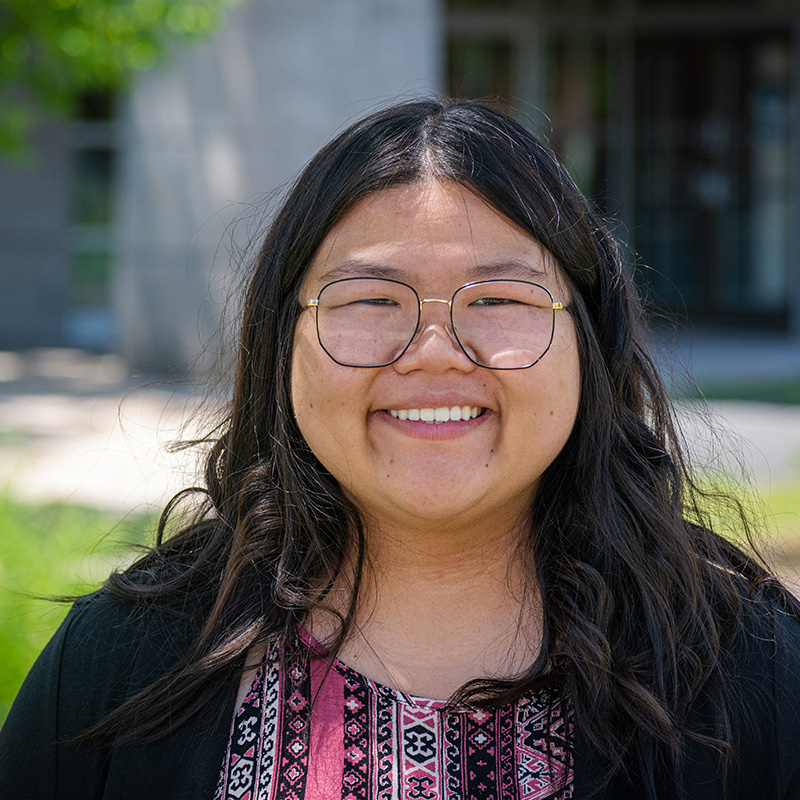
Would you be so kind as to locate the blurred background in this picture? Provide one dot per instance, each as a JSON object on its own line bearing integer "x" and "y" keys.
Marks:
{"x": 134, "y": 134}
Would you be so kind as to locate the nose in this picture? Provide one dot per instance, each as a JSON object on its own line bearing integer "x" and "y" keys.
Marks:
{"x": 434, "y": 347}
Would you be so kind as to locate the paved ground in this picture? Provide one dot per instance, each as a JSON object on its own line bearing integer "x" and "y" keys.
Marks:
{"x": 79, "y": 429}
{"x": 75, "y": 428}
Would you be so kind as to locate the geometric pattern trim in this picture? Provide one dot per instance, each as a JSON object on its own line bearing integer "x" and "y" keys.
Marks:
{"x": 322, "y": 731}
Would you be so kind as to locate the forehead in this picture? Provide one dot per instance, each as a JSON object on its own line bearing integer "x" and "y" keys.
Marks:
{"x": 405, "y": 231}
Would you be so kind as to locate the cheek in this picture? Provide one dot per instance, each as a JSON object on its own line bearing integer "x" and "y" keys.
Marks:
{"x": 308, "y": 382}
{"x": 303, "y": 357}
{"x": 564, "y": 387}
{"x": 319, "y": 400}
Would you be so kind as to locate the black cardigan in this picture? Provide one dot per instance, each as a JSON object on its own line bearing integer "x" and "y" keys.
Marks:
{"x": 105, "y": 651}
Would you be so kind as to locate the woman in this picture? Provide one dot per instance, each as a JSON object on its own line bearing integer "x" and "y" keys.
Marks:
{"x": 449, "y": 545}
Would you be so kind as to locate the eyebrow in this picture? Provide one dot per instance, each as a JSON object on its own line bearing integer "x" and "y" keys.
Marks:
{"x": 506, "y": 268}
{"x": 362, "y": 269}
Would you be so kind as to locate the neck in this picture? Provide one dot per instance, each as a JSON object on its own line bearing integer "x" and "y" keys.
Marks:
{"x": 437, "y": 609}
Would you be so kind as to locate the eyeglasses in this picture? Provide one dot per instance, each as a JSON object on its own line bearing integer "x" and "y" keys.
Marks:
{"x": 370, "y": 322}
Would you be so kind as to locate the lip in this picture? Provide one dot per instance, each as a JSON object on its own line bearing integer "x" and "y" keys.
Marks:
{"x": 441, "y": 431}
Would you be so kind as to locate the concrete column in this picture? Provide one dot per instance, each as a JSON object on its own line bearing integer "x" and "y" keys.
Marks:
{"x": 34, "y": 242}
{"x": 232, "y": 119}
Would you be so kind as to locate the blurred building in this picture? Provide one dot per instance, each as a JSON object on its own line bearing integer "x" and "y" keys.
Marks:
{"x": 681, "y": 118}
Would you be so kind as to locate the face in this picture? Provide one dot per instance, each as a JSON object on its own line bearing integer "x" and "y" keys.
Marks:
{"x": 405, "y": 472}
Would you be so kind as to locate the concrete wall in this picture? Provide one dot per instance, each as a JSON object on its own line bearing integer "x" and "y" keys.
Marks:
{"x": 234, "y": 118}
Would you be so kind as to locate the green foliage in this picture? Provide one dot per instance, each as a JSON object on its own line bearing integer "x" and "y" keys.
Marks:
{"x": 54, "y": 51}
{"x": 49, "y": 551}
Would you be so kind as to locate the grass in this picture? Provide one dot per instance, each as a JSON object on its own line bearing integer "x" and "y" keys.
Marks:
{"x": 774, "y": 515}
{"x": 783, "y": 509}
{"x": 783, "y": 392}
{"x": 50, "y": 551}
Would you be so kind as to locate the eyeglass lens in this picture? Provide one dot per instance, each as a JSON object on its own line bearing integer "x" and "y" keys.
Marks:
{"x": 500, "y": 324}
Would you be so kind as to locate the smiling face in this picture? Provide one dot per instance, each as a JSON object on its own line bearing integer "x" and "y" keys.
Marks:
{"x": 434, "y": 439}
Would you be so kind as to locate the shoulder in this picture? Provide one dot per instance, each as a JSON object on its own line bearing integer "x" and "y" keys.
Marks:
{"x": 768, "y": 643}
{"x": 780, "y": 671}
{"x": 113, "y": 646}
{"x": 104, "y": 651}
{"x": 763, "y": 694}
{"x": 764, "y": 702}
{"x": 101, "y": 630}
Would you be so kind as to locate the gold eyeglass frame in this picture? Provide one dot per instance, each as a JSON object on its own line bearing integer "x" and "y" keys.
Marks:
{"x": 314, "y": 303}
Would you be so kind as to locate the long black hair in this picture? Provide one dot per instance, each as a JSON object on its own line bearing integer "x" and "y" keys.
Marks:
{"x": 640, "y": 596}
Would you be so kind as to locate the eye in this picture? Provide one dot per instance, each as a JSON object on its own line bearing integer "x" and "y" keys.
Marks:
{"x": 375, "y": 301}
{"x": 496, "y": 301}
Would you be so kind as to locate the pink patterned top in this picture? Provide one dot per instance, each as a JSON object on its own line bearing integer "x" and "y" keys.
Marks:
{"x": 363, "y": 741}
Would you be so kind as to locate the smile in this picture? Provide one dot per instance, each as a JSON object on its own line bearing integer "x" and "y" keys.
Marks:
{"x": 436, "y": 416}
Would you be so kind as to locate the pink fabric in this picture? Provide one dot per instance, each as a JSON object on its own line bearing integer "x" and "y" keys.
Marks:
{"x": 325, "y": 768}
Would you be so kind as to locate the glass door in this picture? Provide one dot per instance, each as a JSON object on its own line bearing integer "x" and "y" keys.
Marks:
{"x": 712, "y": 176}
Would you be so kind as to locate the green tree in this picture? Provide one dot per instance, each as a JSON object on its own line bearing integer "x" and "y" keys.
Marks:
{"x": 53, "y": 52}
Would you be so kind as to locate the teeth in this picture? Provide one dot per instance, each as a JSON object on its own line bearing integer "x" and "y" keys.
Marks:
{"x": 436, "y": 416}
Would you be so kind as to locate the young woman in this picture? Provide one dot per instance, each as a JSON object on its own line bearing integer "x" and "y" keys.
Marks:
{"x": 449, "y": 546}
